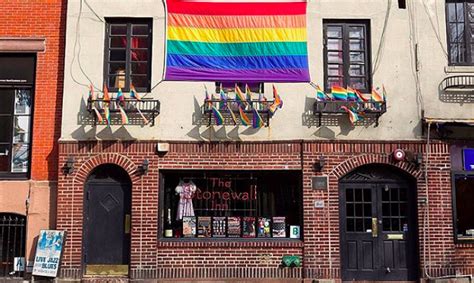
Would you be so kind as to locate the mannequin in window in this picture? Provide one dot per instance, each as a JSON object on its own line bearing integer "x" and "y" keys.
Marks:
{"x": 186, "y": 190}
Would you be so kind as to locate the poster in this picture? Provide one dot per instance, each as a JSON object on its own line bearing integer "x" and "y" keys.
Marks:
{"x": 48, "y": 253}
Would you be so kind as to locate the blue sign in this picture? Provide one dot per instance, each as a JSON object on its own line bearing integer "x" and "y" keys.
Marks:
{"x": 468, "y": 159}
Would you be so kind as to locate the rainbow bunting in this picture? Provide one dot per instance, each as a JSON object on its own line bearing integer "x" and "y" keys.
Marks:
{"x": 106, "y": 97}
{"x": 277, "y": 103}
{"x": 217, "y": 116}
{"x": 134, "y": 93}
{"x": 244, "y": 118}
{"x": 339, "y": 93}
{"x": 257, "y": 121}
{"x": 239, "y": 97}
{"x": 120, "y": 99}
{"x": 320, "y": 95}
{"x": 351, "y": 94}
{"x": 245, "y": 40}
{"x": 107, "y": 113}
{"x": 353, "y": 116}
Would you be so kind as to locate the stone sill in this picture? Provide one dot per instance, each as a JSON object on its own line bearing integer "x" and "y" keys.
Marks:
{"x": 459, "y": 69}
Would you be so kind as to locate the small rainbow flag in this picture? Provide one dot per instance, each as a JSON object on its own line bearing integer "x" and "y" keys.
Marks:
{"x": 244, "y": 118}
{"x": 106, "y": 97}
{"x": 223, "y": 103}
{"x": 339, "y": 93}
{"x": 248, "y": 92}
{"x": 353, "y": 117}
{"x": 124, "y": 116}
{"x": 376, "y": 96}
{"x": 277, "y": 103}
{"x": 217, "y": 116}
{"x": 107, "y": 113}
{"x": 351, "y": 94}
{"x": 120, "y": 97}
{"x": 232, "y": 115}
{"x": 257, "y": 121}
{"x": 134, "y": 93}
{"x": 92, "y": 95}
{"x": 263, "y": 101}
{"x": 360, "y": 96}
{"x": 239, "y": 96}
{"x": 320, "y": 95}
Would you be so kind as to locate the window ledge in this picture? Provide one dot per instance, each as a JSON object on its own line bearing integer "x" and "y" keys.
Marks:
{"x": 230, "y": 242}
{"x": 459, "y": 69}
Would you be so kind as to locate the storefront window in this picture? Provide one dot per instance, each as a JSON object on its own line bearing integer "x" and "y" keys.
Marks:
{"x": 231, "y": 204}
{"x": 464, "y": 214}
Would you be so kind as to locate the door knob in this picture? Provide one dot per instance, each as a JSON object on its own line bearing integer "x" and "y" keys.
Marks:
{"x": 388, "y": 269}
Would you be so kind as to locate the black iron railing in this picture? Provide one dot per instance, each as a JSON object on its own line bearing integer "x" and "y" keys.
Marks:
{"x": 370, "y": 110}
{"x": 231, "y": 105}
{"x": 458, "y": 82}
{"x": 135, "y": 110}
{"x": 12, "y": 242}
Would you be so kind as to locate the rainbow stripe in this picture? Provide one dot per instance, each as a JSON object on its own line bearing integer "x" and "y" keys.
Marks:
{"x": 351, "y": 94}
{"x": 244, "y": 118}
{"x": 360, "y": 96}
{"x": 339, "y": 93}
{"x": 237, "y": 41}
{"x": 353, "y": 117}
{"x": 239, "y": 97}
{"x": 217, "y": 116}
{"x": 106, "y": 96}
{"x": 134, "y": 93}
{"x": 257, "y": 121}
{"x": 124, "y": 116}
{"x": 277, "y": 103}
{"x": 376, "y": 97}
{"x": 320, "y": 95}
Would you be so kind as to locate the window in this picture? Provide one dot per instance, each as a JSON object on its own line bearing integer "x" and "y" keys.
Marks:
{"x": 230, "y": 204}
{"x": 230, "y": 87}
{"x": 128, "y": 54}
{"x": 463, "y": 197}
{"x": 346, "y": 54}
{"x": 460, "y": 28}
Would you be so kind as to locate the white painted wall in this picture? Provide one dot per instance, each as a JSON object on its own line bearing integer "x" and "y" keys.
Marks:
{"x": 179, "y": 100}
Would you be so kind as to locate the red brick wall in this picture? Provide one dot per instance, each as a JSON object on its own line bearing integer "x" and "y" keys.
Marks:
{"x": 44, "y": 19}
{"x": 152, "y": 258}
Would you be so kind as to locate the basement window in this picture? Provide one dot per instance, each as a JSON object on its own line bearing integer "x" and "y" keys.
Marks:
{"x": 463, "y": 198}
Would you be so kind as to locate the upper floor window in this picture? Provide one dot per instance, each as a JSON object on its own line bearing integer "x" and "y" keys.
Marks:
{"x": 346, "y": 54}
{"x": 128, "y": 54}
{"x": 460, "y": 26}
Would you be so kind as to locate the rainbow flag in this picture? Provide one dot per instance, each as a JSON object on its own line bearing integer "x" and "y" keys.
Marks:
{"x": 360, "y": 96}
{"x": 243, "y": 40}
{"x": 339, "y": 93}
{"x": 217, "y": 116}
{"x": 123, "y": 115}
{"x": 277, "y": 103}
{"x": 134, "y": 93}
{"x": 223, "y": 102}
{"x": 106, "y": 97}
{"x": 257, "y": 121}
{"x": 244, "y": 118}
{"x": 107, "y": 113}
{"x": 92, "y": 95}
{"x": 248, "y": 92}
{"x": 239, "y": 97}
{"x": 376, "y": 96}
{"x": 351, "y": 94}
{"x": 353, "y": 116}
{"x": 320, "y": 95}
{"x": 232, "y": 115}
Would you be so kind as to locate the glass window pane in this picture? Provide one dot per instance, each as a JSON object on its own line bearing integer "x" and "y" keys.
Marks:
{"x": 139, "y": 29}
{"x": 335, "y": 57}
{"x": 367, "y": 224}
{"x": 140, "y": 68}
{"x": 23, "y": 101}
{"x": 367, "y": 195}
{"x": 349, "y": 195}
{"x": 464, "y": 186}
{"x": 396, "y": 224}
{"x": 356, "y": 44}
{"x": 403, "y": 209}
{"x": 386, "y": 209}
{"x": 139, "y": 42}
{"x": 116, "y": 81}
{"x": 334, "y": 31}
{"x": 4, "y": 157}
{"x": 460, "y": 12}
{"x": 140, "y": 81}
{"x": 20, "y": 154}
{"x": 117, "y": 68}
{"x": 360, "y": 225}
{"x": 350, "y": 209}
{"x": 118, "y": 41}
{"x": 367, "y": 210}
{"x": 394, "y": 194}
{"x": 357, "y": 57}
{"x": 118, "y": 29}
{"x": 386, "y": 225}
{"x": 358, "y": 195}
{"x": 6, "y": 97}
{"x": 357, "y": 70}
{"x": 118, "y": 55}
{"x": 350, "y": 225}
{"x": 470, "y": 11}
{"x": 335, "y": 81}
{"x": 359, "y": 210}
{"x": 394, "y": 209}
{"x": 5, "y": 129}
{"x": 358, "y": 83}
{"x": 21, "y": 129}
{"x": 451, "y": 12}
{"x": 335, "y": 70}
{"x": 356, "y": 32}
{"x": 139, "y": 55}
{"x": 334, "y": 44}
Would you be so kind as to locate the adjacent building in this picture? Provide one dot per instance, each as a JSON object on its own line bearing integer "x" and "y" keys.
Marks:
{"x": 31, "y": 87}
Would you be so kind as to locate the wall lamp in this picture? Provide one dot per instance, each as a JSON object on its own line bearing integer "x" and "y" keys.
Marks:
{"x": 68, "y": 167}
{"x": 143, "y": 168}
{"x": 318, "y": 165}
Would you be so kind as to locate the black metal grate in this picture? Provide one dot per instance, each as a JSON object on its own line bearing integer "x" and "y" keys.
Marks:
{"x": 149, "y": 108}
{"x": 12, "y": 242}
{"x": 368, "y": 110}
{"x": 262, "y": 108}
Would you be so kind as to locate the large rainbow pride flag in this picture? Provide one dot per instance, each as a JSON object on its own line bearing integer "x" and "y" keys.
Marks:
{"x": 237, "y": 41}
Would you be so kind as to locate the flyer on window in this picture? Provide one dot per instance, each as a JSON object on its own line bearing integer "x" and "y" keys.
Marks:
{"x": 48, "y": 253}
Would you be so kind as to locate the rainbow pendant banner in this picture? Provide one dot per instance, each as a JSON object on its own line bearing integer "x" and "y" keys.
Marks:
{"x": 236, "y": 41}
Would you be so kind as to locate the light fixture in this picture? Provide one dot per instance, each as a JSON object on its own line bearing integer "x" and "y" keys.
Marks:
{"x": 69, "y": 166}
{"x": 319, "y": 164}
{"x": 143, "y": 168}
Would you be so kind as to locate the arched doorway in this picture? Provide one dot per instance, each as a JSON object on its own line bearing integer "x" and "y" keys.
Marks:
{"x": 107, "y": 206}
{"x": 378, "y": 224}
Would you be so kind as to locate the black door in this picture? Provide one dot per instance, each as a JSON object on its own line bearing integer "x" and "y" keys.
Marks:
{"x": 378, "y": 229}
{"x": 107, "y": 221}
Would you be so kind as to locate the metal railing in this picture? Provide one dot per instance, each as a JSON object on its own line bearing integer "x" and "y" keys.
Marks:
{"x": 12, "y": 242}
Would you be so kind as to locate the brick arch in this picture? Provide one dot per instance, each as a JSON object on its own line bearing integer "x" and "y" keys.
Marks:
{"x": 365, "y": 159}
{"x": 106, "y": 158}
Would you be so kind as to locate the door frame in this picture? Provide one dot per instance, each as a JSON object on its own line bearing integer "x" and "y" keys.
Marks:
{"x": 362, "y": 175}
{"x": 85, "y": 229}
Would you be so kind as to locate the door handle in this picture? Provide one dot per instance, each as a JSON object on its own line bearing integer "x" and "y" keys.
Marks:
{"x": 127, "y": 224}
{"x": 375, "y": 232}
